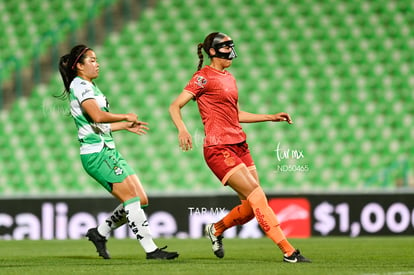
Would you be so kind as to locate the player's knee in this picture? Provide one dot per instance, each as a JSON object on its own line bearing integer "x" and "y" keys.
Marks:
{"x": 256, "y": 196}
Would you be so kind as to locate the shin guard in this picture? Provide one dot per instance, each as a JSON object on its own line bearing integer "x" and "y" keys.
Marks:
{"x": 265, "y": 216}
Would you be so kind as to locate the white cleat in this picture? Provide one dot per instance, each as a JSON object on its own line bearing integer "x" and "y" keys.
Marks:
{"x": 216, "y": 242}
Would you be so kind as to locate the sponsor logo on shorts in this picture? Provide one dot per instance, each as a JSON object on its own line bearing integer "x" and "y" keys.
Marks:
{"x": 228, "y": 159}
{"x": 118, "y": 171}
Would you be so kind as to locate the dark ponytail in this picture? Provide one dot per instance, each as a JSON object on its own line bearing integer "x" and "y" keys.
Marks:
{"x": 200, "y": 56}
{"x": 67, "y": 66}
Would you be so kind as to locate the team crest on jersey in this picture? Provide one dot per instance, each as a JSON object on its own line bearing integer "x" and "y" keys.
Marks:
{"x": 201, "y": 81}
{"x": 118, "y": 171}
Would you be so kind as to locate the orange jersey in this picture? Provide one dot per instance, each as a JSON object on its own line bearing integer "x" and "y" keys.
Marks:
{"x": 217, "y": 96}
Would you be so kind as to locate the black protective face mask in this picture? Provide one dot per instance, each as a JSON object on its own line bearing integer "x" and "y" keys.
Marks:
{"x": 230, "y": 55}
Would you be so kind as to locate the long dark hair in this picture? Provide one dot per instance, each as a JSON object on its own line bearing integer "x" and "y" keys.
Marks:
{"x": 67, "y": 66}
{"x": 206, "y": 45}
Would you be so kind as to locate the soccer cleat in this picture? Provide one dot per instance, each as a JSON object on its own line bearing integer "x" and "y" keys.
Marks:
{"x": 216, "y": 242}
{"x": 296, "y": 257}
{"x": 160, "y": 254}
{"x": 99, "y": 242}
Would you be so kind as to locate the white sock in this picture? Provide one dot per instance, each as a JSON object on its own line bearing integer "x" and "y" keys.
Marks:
{"x": 117, "y": 219}
{"x": 138, "y": 223}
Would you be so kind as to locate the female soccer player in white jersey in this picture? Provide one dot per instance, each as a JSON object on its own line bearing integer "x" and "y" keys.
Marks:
{"x": 225, "y": 149}
{"x": 99, "y": 157}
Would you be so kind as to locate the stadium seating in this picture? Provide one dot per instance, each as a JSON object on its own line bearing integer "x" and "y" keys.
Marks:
{"x": 30, "y": 27}
{"x": 342, "y": 69}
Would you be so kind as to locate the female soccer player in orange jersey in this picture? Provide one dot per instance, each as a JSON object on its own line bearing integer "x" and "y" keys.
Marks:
{"x": 225, "y": 149}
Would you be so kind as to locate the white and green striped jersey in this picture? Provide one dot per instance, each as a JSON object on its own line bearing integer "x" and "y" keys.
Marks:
{"x": 92, "y": 136}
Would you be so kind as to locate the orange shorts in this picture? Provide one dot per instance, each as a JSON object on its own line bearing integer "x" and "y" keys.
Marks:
{"x": 224, "y": 160}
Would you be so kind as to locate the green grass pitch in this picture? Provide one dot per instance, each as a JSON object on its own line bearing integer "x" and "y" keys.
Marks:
{"x": 330, "y": 255}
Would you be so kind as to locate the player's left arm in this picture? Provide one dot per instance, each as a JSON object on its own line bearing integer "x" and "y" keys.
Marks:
{"x": 246, "y": 117}
{"x": 136, "y": 128}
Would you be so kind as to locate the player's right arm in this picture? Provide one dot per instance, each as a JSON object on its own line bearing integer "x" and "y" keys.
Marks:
{"x": 184, "y": 137}
{"x": 90, "y": 106}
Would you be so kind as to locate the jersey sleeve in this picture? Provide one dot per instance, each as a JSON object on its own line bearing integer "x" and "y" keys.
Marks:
{"x": 83, "y": 91}
{"x": 197, "y": 84}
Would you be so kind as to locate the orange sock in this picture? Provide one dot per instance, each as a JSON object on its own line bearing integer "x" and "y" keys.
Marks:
{"x": 239, "y": 215}
{"x": 268, "y": 220}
